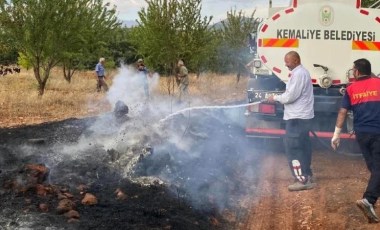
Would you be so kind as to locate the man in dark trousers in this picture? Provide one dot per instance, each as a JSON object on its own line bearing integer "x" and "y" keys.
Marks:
{"x": 363, "y": 98}
{"x": 298, "y": 100}
{"x": 100, "y": 73}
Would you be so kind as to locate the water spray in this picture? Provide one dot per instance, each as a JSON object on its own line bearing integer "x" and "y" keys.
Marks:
{"x": 208, "y": 107}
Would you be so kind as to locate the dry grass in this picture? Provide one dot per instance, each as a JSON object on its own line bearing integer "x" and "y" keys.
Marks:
{"x": 21, "y": 105}
{"x": 211, "y": 88}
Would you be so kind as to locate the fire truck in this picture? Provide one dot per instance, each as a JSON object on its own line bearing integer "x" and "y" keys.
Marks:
{"x": 329, "y": 35}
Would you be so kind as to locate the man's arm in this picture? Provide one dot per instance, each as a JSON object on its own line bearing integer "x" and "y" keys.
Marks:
{"x": 293, "y": 91}
{"x": 341, "y": 117}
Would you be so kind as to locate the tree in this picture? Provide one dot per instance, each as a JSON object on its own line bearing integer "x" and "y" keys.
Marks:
{"x": 93, "y": 28}
{"x": 195, "y": 37}
{"x": 44, "y": 31}
{"x": 368, "y": 3}
{"x": 155, "y": 37}
{"x": 121, "y": 48}
{"x": 169, "y": 30}
{"x": 233, "y": 51}
{"x": 8, "y": 55}
{"x": 23, "y": 62}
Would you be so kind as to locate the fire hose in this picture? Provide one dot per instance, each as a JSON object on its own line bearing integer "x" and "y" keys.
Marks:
{"x": 208, "y": 107}
{"x": 327, "y": 146}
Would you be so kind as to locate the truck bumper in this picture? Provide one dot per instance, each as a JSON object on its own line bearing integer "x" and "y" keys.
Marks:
{"x": 279, "y": 133}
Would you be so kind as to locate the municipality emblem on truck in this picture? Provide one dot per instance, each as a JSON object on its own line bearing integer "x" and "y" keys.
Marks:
{"x": 326, "y": 16}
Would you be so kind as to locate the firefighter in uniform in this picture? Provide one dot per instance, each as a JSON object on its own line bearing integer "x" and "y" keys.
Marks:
{"x": 363, "y": 98}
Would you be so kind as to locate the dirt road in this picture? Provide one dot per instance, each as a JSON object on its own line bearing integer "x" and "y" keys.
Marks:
{"x": 331, "y": 205}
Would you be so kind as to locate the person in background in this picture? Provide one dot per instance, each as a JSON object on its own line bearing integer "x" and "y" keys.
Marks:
{"x": 141, "y": 68}
{"x": 100, "y": 73}
{"x": 363, "y": 98}
{"x": 298, "y": 100}
{"x": 183, "y": 80}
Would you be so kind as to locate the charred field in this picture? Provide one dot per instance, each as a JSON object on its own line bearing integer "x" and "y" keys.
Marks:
{"x": 191, "y": 171}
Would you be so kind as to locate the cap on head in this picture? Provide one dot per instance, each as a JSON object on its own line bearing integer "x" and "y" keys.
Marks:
{"x": 140, "y": 60}
{"x": 102, "y": 59}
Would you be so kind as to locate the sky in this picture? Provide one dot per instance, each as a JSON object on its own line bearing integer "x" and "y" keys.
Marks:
{"x": 127, "y": 9}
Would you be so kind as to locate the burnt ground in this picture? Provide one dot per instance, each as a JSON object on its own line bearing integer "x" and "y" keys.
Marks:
{"x": 190, "y": 173}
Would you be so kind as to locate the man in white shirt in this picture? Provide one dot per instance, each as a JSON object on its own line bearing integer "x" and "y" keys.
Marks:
{"x": 298, "y": 101}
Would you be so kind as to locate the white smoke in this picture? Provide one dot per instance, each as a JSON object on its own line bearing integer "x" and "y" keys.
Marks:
{"x": 128, "y": 87}
{"x": 188, "y": 142}
{"x": 188, "y": 137}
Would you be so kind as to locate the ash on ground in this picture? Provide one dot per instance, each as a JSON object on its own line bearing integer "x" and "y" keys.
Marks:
{"x": 190, "y": 172}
